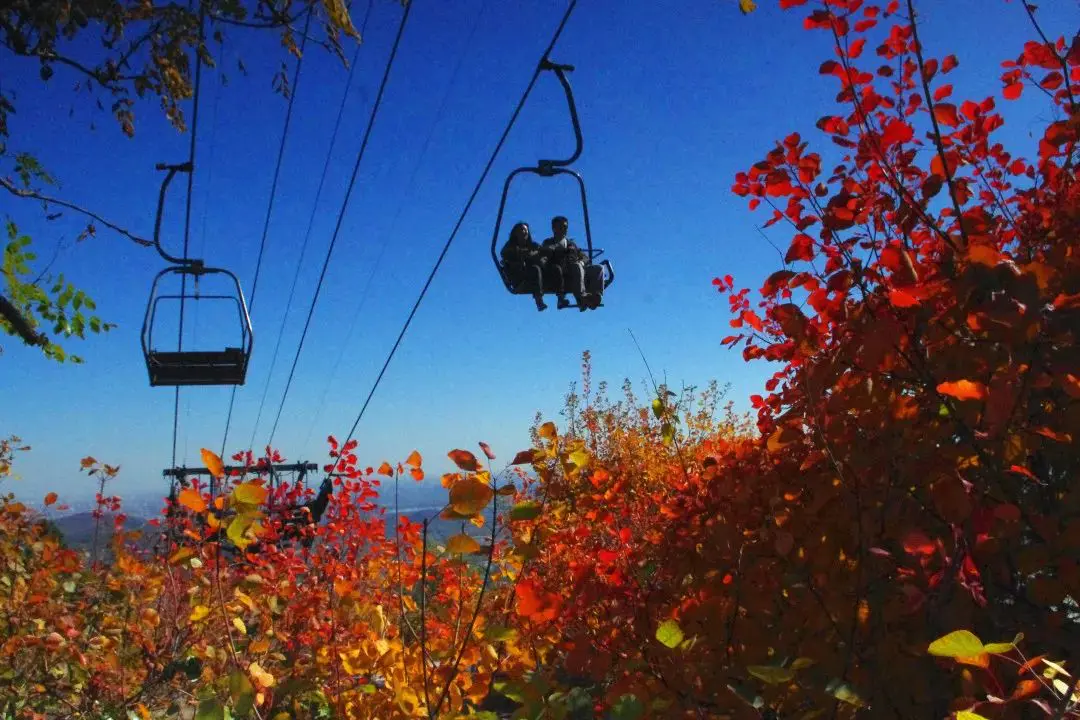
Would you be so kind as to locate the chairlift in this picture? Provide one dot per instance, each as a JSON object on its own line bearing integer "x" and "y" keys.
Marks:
{"x": 598, "y": 275}
{"x": 226, "y": 366}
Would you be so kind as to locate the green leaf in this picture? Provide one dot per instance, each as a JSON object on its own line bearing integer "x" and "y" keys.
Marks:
{"x": 957, "y": 644}
{"x": 627, "y": 707}
{"x": 1001, "y": 648}
{"x": 771, "y": 674}
{"x": 461, "y": 544}
{"x": 844, "y": 693}
{"x": 210, "y": 709}
{"x": 667, "y": 433}
{"x": 69, "y": 586}
{"x": 802, "y": 663}
{"x": 669, "y": 633}
{"x": 658, "y": 408}
{"x": 241, "y": 692}
{"x": 497, "y": 633}
{"x": 525, "y": 510}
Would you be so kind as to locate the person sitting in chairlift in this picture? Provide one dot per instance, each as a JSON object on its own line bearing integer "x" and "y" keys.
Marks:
{"x": 564, "y": 254}
{"x": 523, "y": 262}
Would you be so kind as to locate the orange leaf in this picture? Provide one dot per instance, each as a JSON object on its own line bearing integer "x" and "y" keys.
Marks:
{"x": 385, "y": 469}
{"x": 963, "y": 389}
{"x": 464, "y": 460}
{"x": 523, "y": 457}
{"x": 1026, "y": 689}
{"x": 50, "y": 499}
{"x": 1030, "y": 665}
{"x": 981, "y": 660}
{"x": 87, "y": 461}
{"x": 192, "y": 499}
{"x": 417, "y": 474}
{"x": 213, "y": 463}
{"x": 414, "y": 459}
{"x": 984, "y": 255}
{"x": 1072, "y": 385}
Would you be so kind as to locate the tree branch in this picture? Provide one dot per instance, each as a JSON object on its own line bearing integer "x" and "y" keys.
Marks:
{"x": 34, "y": 195}
{"x": 20, "y": 324}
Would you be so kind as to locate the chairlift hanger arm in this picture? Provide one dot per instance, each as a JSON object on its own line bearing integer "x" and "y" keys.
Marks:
{"x": 560, "y": 72}
{"x": 171, "y": 171}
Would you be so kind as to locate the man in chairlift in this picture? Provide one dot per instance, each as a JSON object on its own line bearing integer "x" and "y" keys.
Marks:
{"x": 565, "y": 254}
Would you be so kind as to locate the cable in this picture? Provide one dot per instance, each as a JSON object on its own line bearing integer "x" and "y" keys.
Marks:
{"x": 341, "y": 215}
{"x": 187, "y": 211}
{"x": 332, "y": 375}
{"x": 307, "y": 237}
{"x": 270, "y": 204}
{"x": 461, "y": 218}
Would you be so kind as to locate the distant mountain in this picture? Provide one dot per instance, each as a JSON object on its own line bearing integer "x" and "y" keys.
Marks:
{"x": 77, "y": 529}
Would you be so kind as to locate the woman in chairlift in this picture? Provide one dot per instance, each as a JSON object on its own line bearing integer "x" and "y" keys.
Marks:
{"x": 523, "y": 262}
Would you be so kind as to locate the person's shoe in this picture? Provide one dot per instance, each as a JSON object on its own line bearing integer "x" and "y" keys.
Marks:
{"x": 541, "y": 305}
{"x": 563, "y": 303}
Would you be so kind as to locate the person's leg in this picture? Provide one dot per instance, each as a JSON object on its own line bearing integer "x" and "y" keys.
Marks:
{"x": 536, "y": 280}
{"x": 575, "y": 282}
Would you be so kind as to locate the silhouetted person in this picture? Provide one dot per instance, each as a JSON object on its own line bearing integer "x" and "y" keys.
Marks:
{"x": 563, "y": 253}
{"x": 523, "y": 263}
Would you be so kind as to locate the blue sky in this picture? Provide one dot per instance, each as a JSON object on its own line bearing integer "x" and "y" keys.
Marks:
{"x": 675, "y": 97}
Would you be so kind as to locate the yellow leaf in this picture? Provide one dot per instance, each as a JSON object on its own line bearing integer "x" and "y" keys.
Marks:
{"x": 239, "y": 625}
{"x": 771, "y": 675}
{"x": 408, "y": 701}
{"x": 250, "y": 493}
{"x": 1000, "y": 648}
{"x": 461, "y": 544}
{"x": 547, "y": 430}
{"x": 199, "y": 613}
{"x": 414, "y": 459}
{"x": 259, "y": 646}
{"x": 470, "y": 496}
{"x": 957, "y": 644}
{"x": 192, "y": 499}
{"x": 260, "y": 676}
{"x": 579, "y": 458}
{"x": 968, "y": 715}
{"x": 180, "y": 556}
{"x": 238, "y": 529}
{"x": 747, "y": 6}
{"x": 213, "y": 463}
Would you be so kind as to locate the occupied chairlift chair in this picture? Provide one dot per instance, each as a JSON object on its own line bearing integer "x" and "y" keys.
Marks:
{"x": 598, "y": 275}
{"x": 192, "y": 367}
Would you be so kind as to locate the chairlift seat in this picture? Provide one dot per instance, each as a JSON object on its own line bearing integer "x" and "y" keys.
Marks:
{"x": 224, "y": 367}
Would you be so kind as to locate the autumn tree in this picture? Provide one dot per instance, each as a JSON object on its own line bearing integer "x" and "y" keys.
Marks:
{"x": 119, "y": 54}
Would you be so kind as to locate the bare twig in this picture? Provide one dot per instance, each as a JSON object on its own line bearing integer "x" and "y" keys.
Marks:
{"x": 34, "y": 195}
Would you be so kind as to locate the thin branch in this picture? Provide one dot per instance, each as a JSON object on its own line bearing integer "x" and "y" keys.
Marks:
{"x": 1061, "y": 59}
{"x": 34, "y": 195}
{"x": 20, "y": 324}
{"x": 936, "y": 137}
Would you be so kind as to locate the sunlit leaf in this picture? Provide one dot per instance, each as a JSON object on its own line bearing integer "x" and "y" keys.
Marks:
{"x": 957, "y": 644}
{"x": 969, "y": 715}
{"x": 199, "y": 612}
{"x": 213, "y": 463}
{"x": 192, "y": 499}
{"x": 669, "y": 633}
{"x": 461, "y": 544}
{"x": 50, "y": 499}
{"x": 547, "y": 431}
{"x": 250, "y": 493}
{"x": 1000, "y": 648}
{"x": 487, "y": 450}
{"x": 386, "y": 469}
{"x": 239, "y": 625}
{"x": 464, "y": 460}
{"x": 963, "y": 390}
{"x": 414, "y": 459}
{"x": 470, "y": 496}
{"x": 523, "y": 458}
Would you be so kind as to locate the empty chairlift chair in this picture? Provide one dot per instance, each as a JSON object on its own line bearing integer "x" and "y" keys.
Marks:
{"x": 227, "y": 366}
{"x": 224, "y": 366}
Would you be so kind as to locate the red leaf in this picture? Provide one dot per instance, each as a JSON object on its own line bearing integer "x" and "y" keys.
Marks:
{"x": 1019, "y": 470}
{"x": 751, "y": 318}
{"x": 896, "y": 131}
{"x": 856, "y": 47}
{"x": 949, "y": 63}
{"x": 943, "y": 92}
{"x": 464, "y": 460}
{"x": 788, "y": 4}
{"x": 802, "y": 248}
{"x": 487, "y": 450}
{"x": 946, "y": 114}
{"x": 1012, "y": 90}
{"x": 522, "y": 458}
{"x": 902, "y": 298}
{"x": 50, "y": 499}
{"x": 963, "y": 389}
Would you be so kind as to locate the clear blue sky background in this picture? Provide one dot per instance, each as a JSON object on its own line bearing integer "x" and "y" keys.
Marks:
{"x": 675, "y": 97}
